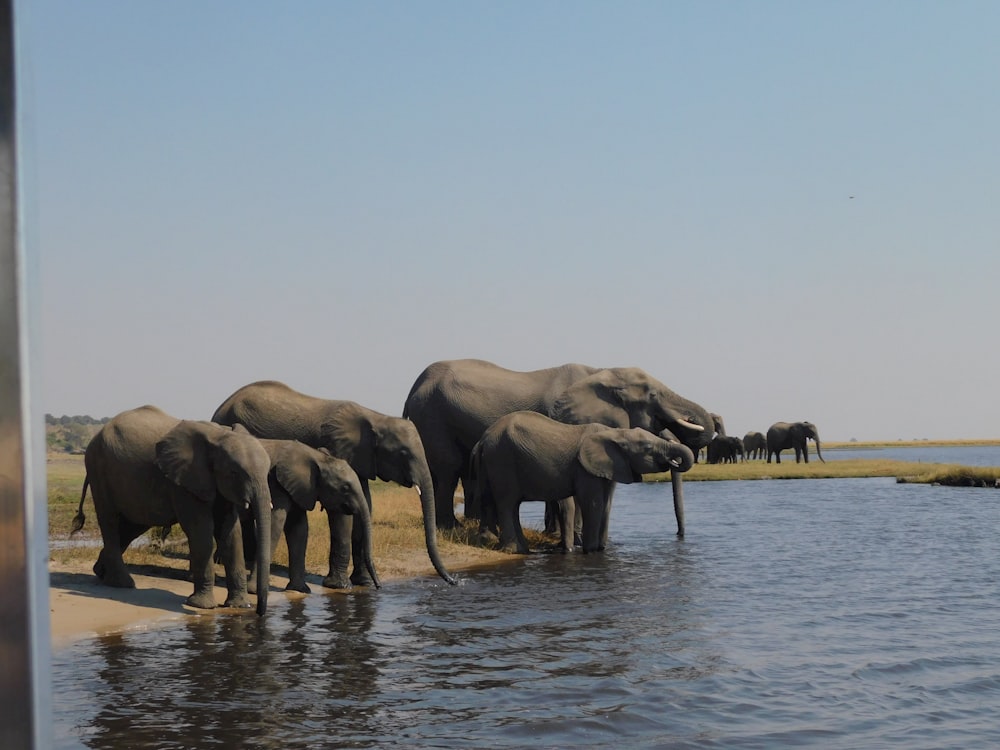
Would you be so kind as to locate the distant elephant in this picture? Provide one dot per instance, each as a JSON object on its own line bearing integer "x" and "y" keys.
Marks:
{"x": 374, "y": 444}
{"x": 146, "y": 468}
{"x": 528, "y": 456}
{"x": 784, "y": 435}
{"x": 725, "y": 449}
{"x": 453, "y": 402}
{"x": 754, "y": 445}
{"x": 720, "y": 429}
{"x": 300, "y": 475}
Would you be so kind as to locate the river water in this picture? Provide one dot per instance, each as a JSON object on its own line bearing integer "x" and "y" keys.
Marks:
{"x": 973, "y": 455}
{"x": 839, "y": 613}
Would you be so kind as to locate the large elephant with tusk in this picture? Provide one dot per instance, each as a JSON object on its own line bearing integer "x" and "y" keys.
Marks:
{"x": 453, "y": 402}
{"x": 784, "y": 435}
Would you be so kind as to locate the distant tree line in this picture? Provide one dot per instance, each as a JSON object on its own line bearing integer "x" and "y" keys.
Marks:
{"x": 64, "y": 419}
{"x": 67, "y": 434}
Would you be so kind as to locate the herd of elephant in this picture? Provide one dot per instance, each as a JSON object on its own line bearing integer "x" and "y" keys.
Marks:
{"x": 729, "y": 449}
{"x": 564, "y": 435}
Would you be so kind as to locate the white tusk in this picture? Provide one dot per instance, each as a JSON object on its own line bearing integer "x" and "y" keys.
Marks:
{"x": 246, "y": 505}
{"x": 417, "y": 486}
{"x": 690, "y": 425}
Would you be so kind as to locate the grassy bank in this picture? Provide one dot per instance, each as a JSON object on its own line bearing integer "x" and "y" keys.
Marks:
{"x": 857, "y": 445}
{"x": 397, "y": 533}
{"x": 904, "y": 471}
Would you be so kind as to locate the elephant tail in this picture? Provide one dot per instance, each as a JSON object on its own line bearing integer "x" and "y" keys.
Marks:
{"x": 79, "y": 519}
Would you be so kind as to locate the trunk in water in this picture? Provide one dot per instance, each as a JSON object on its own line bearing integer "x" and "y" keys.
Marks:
{"x": 677, "y": 483}
{"x": 425, "y": 489}
{"x": 262, "y": 518}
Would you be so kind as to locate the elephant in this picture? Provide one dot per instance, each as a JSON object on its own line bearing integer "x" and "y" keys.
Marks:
{"x": 783, "y": 435}
{"x": 528, "y": 456}
{"x": 453, "y": 402}
{"x": 725, "y": 449}
{"x": 300, "y": 475}
{"x": 720, "y": 429}
{"x": 146, "y": 468}
{"x": 374, "y": 444}
{"x": 754, "y": 445}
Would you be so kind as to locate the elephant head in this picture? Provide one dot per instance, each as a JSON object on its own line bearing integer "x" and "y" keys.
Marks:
{"x": 212, "y": 462}
{"x": 309, "y": 475}
{"x": 630, "y": 397}
{"x": 624, "y": 455}
{"x": 388, "y": 448}
{"x": 808, "y": 430}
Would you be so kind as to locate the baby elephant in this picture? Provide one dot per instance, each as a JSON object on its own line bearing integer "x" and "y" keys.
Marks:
{"x": 300, "y": 475}
{"x": 527, "y": 456}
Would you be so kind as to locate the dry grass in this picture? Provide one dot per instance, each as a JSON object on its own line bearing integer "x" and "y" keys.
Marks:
{"x": 397, "y": 534}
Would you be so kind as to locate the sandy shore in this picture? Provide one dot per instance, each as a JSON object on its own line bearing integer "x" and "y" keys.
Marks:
{"x": 81, "y": 607}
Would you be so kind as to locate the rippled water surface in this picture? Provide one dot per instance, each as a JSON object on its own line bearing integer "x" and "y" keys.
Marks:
{"x": 818, "y": 613}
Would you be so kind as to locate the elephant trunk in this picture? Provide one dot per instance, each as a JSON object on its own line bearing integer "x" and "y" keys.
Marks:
{"x": 425, "y": 489}
{"x": 682, "y": 458}
{"x": 261, "y": 506}
{"x": 818, "y": 453}
{"x": 677, "y": 483}
{"x": 364, "y": 517}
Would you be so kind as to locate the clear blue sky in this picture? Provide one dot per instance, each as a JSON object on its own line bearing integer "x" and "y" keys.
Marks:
{"x": 783, "y": 210}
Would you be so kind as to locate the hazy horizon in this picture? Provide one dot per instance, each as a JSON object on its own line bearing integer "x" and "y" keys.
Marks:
{"x": 336, "y": 195}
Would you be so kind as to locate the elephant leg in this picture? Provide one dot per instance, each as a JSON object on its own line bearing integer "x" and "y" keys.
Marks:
{"x": 553, "y": 512}
{"x": 566, "y": 519}
{"x": 196, "y": 522}
{"x": 340, "y": 551}
{"x": 359, "y": 575}
{"x": 117, "y": 532}
{"x": 297, "y": 538}
{"x": 511, "y": 535}
{"x": 591, "y": 498}
{"x": 249, "y": 539}
{"x": 230, "y": 535}
{"x": 472, "y": 503}
{"x": 109, "y": 567}
{"x": 602, "y": 543}
{"x": 445, "y": 484}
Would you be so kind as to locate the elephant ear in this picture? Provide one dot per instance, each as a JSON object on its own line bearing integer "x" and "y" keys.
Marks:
{"x": 595, "y": 399}
{"x": 184, "y": 457}
{"x": 297, "y": 473}
{"x": 351, "y": 436}
{"x": 602, "y": 456}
